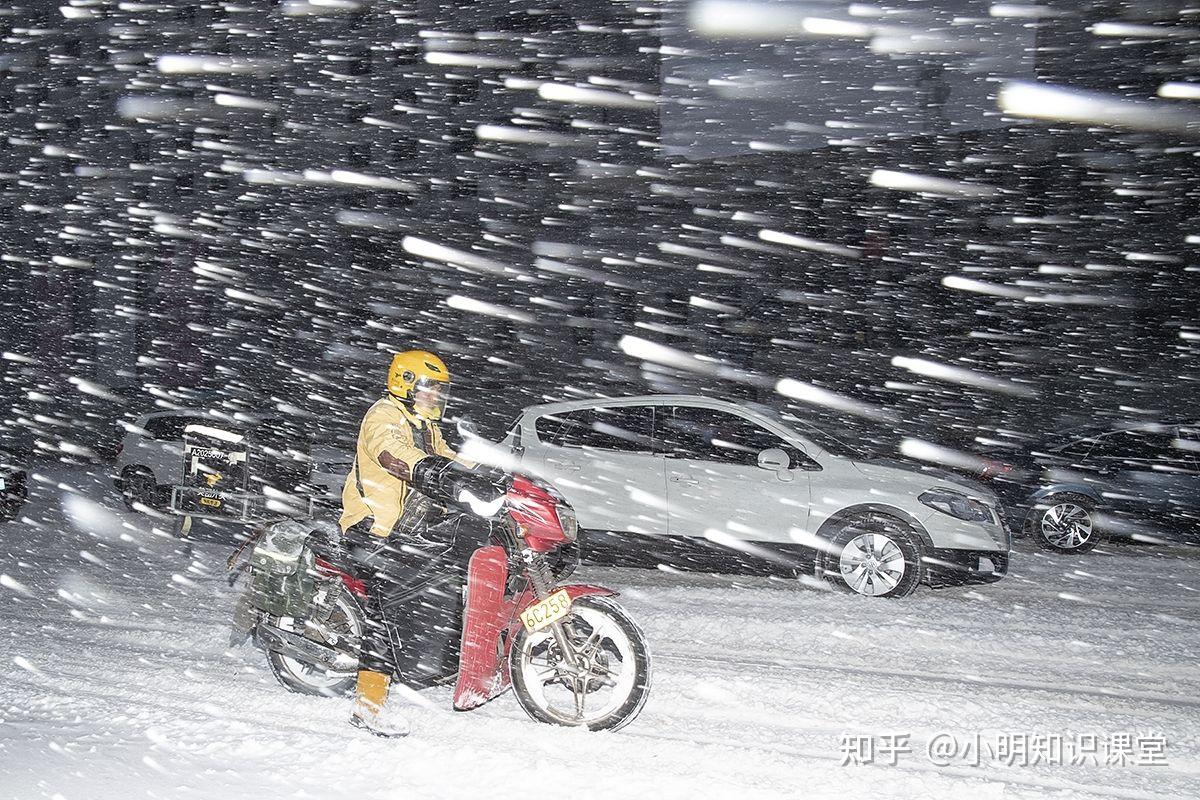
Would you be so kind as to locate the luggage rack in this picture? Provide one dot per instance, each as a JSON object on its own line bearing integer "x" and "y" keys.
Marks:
{"x": 217, "y": 480}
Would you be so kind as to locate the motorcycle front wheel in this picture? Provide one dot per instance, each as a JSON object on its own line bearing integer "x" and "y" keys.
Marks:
{"x": 607, "y": 686}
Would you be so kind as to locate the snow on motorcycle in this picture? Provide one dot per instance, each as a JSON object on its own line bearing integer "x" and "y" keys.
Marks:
{"x": 571, "y": 655}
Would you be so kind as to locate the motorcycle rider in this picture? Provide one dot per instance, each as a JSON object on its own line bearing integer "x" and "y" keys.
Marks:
{"x": 394, "y": 503}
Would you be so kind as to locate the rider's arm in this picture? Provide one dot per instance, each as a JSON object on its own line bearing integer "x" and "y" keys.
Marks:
{"x": 449, "y": 482}
{"x": 393, "y": 447}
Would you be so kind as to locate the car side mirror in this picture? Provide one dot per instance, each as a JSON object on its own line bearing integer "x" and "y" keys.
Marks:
{"x": 776, "y": 459}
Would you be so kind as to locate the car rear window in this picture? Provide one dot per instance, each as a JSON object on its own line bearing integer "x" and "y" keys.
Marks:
{"x": 168, "y": 428}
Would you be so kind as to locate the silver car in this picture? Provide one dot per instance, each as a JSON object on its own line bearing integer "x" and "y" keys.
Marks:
{"x": 689, "y": 481}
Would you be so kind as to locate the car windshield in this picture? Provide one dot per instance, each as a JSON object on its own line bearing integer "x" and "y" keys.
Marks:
{"x": 1078, "y": 441}
{"x": 1073, "y": 438}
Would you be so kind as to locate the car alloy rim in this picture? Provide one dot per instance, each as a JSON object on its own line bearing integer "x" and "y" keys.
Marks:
{"x": 872, "y": 564}
{"x": 1067, "y": 525}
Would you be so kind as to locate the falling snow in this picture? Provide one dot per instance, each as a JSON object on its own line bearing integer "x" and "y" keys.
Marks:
{"x": 945, "y": 234}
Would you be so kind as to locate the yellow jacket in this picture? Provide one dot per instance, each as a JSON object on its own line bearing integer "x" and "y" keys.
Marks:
{"x": 372, "y": 491}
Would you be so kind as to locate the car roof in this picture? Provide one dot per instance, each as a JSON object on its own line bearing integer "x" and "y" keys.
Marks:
{"x": 1096, "y": 430}
{"x": 761, "y": 414}
{"x": 141, "y": 420}
{"x": 192, "y": 413}
{"x": 637, "y": 400}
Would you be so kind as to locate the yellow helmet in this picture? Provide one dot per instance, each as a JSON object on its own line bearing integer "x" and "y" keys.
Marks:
{"x": 420, "y": 380}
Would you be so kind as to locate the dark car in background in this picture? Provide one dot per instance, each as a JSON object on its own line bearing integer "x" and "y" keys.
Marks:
{"x": 1138, "y": 481}
{"x": 13, "y": 485}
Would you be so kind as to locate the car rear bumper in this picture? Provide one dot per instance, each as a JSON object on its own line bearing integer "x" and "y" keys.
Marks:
{"x": 945, "y": 567}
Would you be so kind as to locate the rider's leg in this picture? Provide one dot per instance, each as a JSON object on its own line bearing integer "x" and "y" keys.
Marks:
{"x": 371, "y": 709}
{"x": 423, "y": 604}
{"x": 425, "y": 624}
{"x": 414, "y": 586}
{"x": 375, "y": 663}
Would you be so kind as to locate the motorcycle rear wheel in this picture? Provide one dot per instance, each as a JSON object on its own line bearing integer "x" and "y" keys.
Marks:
{"x": 614, "y": 678}
{"x": 348, "y": 621}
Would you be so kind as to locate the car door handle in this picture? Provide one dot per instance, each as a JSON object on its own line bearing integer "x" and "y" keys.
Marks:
{"x": 684, "y": 479}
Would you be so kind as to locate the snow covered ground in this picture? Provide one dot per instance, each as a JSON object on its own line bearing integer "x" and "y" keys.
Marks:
{"x": 119, "y": 682}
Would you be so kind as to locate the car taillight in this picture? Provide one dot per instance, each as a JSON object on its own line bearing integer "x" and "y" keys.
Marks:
{"x": 994, "y": 469}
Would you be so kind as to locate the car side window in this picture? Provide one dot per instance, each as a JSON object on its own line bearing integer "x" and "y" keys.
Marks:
{"x": 622, "y": 428}
{"x": 167, "y": 429}
{"x": 706, "y": 434}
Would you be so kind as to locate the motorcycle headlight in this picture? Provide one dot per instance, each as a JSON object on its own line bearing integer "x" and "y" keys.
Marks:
{"x": 957, "y": 505}
{"x": 570, "y": 525}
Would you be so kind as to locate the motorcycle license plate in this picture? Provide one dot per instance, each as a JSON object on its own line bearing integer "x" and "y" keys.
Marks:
{"x": 546, "y": 612}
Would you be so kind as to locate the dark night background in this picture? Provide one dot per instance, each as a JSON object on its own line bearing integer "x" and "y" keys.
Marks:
{"x": 212, "y": 231}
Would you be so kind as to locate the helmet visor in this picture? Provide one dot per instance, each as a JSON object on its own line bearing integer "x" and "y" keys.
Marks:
{"x": 429, "y": 397}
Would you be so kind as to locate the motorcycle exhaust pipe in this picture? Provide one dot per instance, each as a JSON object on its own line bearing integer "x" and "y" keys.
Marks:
{"x": 291, "y": 645}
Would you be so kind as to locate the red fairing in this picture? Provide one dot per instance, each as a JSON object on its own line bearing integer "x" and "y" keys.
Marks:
{"x": 482, "y": 668}
{"x": 535, "y": 510}
{"x": 356, "y": 587}
{"x": 577, "y": 590}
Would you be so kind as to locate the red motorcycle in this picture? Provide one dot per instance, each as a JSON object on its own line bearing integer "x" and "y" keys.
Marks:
{"x": 571, "y": 655}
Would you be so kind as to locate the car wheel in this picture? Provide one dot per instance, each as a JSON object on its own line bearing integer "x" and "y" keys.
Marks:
{"x": 874, "y": 556}
{"x": 1065, "y": 523}
{"x": 138, "y": 486}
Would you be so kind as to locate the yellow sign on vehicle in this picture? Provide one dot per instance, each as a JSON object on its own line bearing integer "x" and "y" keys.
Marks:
{"x": 210, "y": 501}
{"x": 547, "y": 612}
